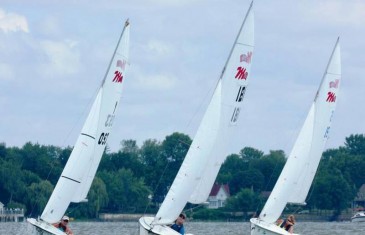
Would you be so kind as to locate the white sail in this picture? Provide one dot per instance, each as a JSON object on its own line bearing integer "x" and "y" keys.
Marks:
{"x": 298, "y": 173}
{"x": 202, "y": 162}
{"x": 234, "y": 84}
{"x": 197, "y": 157}
{"x": 79, "y": 172}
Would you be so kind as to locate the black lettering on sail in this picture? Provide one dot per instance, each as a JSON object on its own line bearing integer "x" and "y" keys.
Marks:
{"x": 235, "y": 114}
{"x": 241, "y": 94}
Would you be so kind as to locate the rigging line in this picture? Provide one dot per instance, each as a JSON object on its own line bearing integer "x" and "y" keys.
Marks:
{"x": 268, "y": 182}
{"x": 163, "y": 173}
{"x": 48, "y": 175}
{"x": 210, "y": 94}
{"x": 158, "y": 184}
{"x": 81, "y": 115}
{"x": 52, "y": 163}
{"x": 193, "y": 208}
{"x": 321, "y": 162}
{"x": 185, "y": 143}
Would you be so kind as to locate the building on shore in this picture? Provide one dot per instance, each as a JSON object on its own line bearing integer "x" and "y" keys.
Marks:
{"x": 11, "y": 215}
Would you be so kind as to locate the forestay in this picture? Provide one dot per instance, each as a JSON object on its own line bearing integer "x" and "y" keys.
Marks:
{"x": 79, "y": 172}
{"x": 234, "y": 85}
{"x": 296, "y": 178}
{"x": 205, "y": 156}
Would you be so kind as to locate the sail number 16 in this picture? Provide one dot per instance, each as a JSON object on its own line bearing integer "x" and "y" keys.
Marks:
{"x": 103, "y": 138}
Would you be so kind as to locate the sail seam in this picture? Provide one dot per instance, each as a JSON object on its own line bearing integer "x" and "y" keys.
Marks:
{"x": 71, "y": 179}
{"x": 88, "y": 135}
{"x": 244, "y": 44}
{"x": 334, "y": 74}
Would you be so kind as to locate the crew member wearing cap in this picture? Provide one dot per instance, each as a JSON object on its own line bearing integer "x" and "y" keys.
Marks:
{"x": 178, "y": 226}
{"x": 63, "y": 225}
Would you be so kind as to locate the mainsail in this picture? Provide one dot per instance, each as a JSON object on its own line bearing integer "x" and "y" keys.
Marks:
{"x": 296, "y": 178}
{"x": 206, "y": 154}
{"x": 79, "y": 172}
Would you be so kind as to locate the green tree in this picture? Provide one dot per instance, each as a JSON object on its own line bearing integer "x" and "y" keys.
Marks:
{"x": 126, "y": 192}
{"x": 10, "y": 181}
{"x": 245, "y": 200}
{"x": 355, "y": 144}
{"x": 155, "y": 164}
{"x": 173, "y": 149}
{"x": 249, "y": 153}
{"x": 270, "y": 166}
{"x": 332, "y": 191}
{"x": 97, "y": 199}
{"x": 125, "y": 158}
{"x": 37, "y": 196}
{"x": 232, "y": 166}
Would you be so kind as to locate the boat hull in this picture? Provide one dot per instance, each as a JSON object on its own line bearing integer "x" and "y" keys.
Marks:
{"x": 44, "y": 227}
{"x": 359, "y": 217}
{"x": 145, "y": 228}
{"x": 259, "y": 227}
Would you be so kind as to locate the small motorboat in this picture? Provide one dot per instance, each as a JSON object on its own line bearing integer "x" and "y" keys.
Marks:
{"x": 358, "y": 217}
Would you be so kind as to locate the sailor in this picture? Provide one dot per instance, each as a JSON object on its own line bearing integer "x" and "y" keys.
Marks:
{"x": 288, "y": 224}
{"x": 63, "y": 225}
{"x": 178, "y": 226}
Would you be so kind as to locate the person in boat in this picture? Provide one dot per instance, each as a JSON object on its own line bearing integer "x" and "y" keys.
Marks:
{"x": 288, "y": 224}
{"x": 178, "y": 226}
{"x": 63, "y": 225}
{"x": 279, "y": 222}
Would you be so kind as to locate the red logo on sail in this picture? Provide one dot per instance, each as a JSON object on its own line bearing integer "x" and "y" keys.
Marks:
{"x": 334, "y": 84}
{"x": 118, "y": 76}
{"x": 121, "y": 64}
{"x": 331, "y": 97}
{"x": 246, "y": 58}
{"x": 241, "y": 73}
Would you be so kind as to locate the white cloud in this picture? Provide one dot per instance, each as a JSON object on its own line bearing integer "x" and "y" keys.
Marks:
{"x": 157, "y": 82}
{"x": 11, "y": 22}
{"x": 159, "y": 47}
{"x": 176, "y": 3}
{"x": 61, "y": 57}
{"x": 349, "y": 12}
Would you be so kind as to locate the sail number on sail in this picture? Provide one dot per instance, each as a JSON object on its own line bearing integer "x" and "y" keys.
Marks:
{"x": 109, "y": 120}
{"x": 241, "y": 74}
{"x": 103, "y": 138}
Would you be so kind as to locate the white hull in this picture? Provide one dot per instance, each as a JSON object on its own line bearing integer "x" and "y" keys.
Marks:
{"x": 145, "y": 228}
{"x": 45, "y": 227}
{"x": 259, "y": 227}
{"x": 359, "y": 217}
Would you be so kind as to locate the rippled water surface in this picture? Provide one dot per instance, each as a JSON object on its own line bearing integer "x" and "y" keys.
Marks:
{"x": 211, "y": 228}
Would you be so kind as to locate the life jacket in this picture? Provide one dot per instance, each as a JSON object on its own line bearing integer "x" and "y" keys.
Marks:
{"x": 285, "y": 225}
{"x": 176, "y": 227}
{"x": 60, "y": 227}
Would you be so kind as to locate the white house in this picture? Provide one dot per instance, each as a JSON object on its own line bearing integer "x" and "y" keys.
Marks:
{"x": 218, "y": 195}
{"x": 1, "y": 208}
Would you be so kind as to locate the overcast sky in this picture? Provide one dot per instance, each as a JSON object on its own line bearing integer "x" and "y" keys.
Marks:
{"x": 54, "y": 56}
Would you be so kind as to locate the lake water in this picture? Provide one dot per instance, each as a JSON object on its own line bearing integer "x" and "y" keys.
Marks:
{"x": 198, "y": 228}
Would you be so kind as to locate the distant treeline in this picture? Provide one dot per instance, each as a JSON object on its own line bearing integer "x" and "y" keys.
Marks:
{"x": 136, "y": 179}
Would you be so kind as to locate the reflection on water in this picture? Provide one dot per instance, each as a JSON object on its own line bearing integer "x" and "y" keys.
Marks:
{"x": 198, "y": 228}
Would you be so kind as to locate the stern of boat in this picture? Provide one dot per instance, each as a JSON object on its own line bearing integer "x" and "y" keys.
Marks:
{"x": 146, "y": 228}
{"x": 259, "y": 227}
{"x": 44, "y": 228}
{"x": 358, "y": 217}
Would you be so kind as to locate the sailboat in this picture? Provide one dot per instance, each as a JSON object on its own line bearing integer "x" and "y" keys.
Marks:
{"x": 79, "y": 172}
{"x": 297, "y": 175}
{"x": 200, "y": 167}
